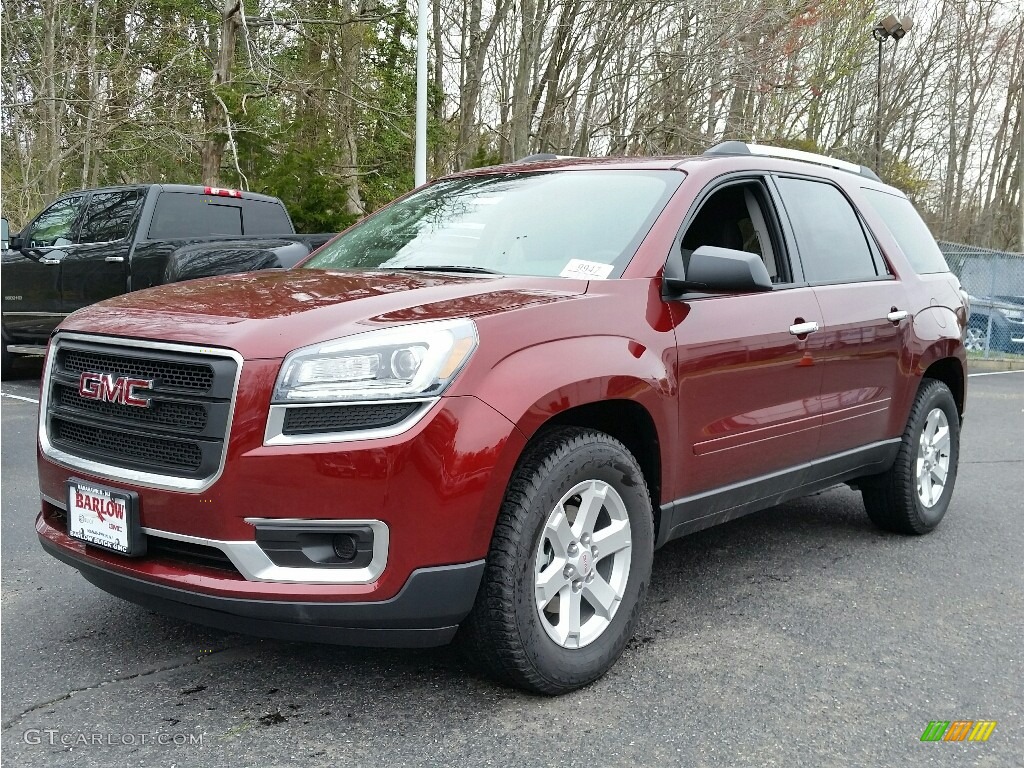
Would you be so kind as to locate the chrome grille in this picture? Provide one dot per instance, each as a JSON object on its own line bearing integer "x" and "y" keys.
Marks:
{"x": 176, "y": 375}
{"x": 115, "y": 444}
{"x": 180, "y": 436}
{"x": 173, "y": 413}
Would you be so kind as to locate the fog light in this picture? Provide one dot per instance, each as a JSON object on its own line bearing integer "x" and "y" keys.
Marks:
{"x": 316, "y": 543}
{"x": 344, "y": 546}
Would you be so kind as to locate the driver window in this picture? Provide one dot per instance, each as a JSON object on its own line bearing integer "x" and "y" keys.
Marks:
{"x": 735, "y": 217}
{"x": 55, "y": 226}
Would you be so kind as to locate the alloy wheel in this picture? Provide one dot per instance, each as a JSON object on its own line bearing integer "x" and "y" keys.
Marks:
{"x": 933, "y": 457}
{"x": 582, "y": 563}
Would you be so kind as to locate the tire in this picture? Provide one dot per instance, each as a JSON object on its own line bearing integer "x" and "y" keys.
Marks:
{"x": 6, "y": 362}
{"x": 907, "y": 499}
{"x": 529, "y": 646}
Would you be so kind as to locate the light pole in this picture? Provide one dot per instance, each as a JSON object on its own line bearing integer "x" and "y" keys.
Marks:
{"x": 897, "y": 29}
{"x": 420, "y": 168}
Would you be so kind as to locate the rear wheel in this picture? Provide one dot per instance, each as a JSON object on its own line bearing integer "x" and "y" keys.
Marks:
{"x": 912, "y": 497}
{"x": 568, "y": 567}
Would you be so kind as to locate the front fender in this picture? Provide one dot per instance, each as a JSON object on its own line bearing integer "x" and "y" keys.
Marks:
{"x": 534, "y": 384}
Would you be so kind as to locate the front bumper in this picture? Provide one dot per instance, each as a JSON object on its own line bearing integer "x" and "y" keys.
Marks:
{"x": 437, "y": 489}
{"x": 426, "y": 611}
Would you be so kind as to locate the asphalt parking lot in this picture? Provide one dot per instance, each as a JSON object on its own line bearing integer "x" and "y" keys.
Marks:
{"x": 797, "y": 636}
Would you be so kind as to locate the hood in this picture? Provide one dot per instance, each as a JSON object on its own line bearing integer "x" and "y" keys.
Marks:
{"x": 268, "y": 314}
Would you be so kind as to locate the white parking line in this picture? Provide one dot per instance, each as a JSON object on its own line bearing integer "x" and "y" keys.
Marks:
{"x": 19, "y": 397}
{"x": 992, "y": 373}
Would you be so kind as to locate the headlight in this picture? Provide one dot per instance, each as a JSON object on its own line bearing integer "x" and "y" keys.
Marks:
{"x": 417, "y": 360}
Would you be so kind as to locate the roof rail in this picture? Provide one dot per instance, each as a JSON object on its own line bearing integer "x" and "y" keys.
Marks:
{"x": 764, "y": 150}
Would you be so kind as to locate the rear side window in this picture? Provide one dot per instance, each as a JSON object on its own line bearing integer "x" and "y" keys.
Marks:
{"x": 109, "y": 216}
{"x": 261, "y": 217}
{"x": 909, "y": 231}
{"x": 183, "y": 214}
{"x": 833, "y": 246}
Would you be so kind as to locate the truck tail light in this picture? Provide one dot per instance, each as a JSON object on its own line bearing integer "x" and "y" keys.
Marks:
{"x": 222, "y": 192}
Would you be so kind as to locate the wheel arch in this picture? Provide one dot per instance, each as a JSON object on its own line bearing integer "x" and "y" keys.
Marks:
{"x": 631, "y": 424}
{"x": 950, "y": 371}
{"x": 615, "y": 384}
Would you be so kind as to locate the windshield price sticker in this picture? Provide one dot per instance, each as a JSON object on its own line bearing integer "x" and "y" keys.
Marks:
{"x": 586, "y": 270}
{"x": 102, "y": 517}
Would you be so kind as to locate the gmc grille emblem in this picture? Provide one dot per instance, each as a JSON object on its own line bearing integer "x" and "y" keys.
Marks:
{"x": 105, "y": 388}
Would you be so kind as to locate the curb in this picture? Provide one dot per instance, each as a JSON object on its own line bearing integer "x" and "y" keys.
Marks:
{"x": 975, "y": 365}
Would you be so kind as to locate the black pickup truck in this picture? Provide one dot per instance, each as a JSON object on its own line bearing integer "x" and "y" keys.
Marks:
{"x": 94, "y": 244}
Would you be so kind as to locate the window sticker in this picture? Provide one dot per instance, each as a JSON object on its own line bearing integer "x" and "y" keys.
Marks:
{"x": 586, "y": 270}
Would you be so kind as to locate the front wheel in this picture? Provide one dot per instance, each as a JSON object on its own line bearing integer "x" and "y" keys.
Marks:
{"x": 6, "y": 361}
{"x": 912, "y": 497}
{"x": 568, "y": 566}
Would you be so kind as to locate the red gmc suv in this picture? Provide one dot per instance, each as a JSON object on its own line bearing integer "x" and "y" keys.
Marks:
{"x": 483, "y": 408}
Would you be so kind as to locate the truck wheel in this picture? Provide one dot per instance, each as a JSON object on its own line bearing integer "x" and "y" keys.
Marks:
{"x": 974, "y": 336}
{"x": 913, "y": 495}
{"x": 6, "y": 362}
{"x": 568, "y": 566}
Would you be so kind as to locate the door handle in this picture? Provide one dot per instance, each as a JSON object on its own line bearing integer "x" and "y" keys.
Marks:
{"x": 802, "y": 329}
{"x": 114, "y": 259}
{"x": 897, "y": 315}
{"x": 45, "y": 260}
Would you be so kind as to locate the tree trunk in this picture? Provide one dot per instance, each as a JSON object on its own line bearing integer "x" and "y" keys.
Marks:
{"x": 93, "y": 98}
{"x": 216, "y": 119}
{"x": 348, "y": 114}
{"x": 519, "y": 133}
{"x": 439, "y": 164}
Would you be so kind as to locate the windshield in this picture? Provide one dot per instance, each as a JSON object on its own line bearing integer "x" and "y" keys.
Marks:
{"x": 568, "y": 223}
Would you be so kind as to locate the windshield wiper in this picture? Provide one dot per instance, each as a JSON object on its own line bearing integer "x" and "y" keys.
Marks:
{"x": 446, "y": 268}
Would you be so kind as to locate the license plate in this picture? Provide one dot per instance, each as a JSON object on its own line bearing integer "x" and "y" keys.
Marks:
{"x": 105, "y": 517}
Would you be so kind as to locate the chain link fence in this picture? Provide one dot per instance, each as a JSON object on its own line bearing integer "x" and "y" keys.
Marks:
{"x": 995, "y": 281}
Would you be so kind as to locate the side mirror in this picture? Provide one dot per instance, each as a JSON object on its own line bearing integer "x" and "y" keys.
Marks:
{"x": 717, "y": 270}
{"x": 11, "y": 242}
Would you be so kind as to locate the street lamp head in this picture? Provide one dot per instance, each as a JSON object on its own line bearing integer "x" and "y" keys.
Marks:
{"x": 892, "y": 27}
{"x": 897, "y": 29}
